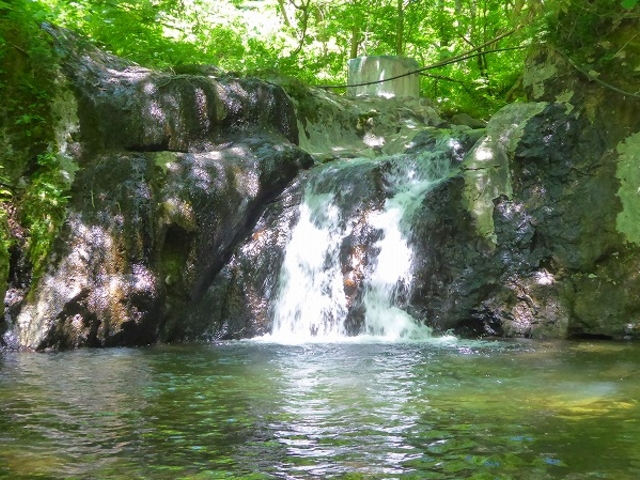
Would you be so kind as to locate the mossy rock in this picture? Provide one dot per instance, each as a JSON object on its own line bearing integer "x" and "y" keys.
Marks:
{"x": 4, "y": 255}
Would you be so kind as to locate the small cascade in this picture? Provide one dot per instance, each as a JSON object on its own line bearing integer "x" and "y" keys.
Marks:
{"x": 312, "y": 301}
{"x": 391, "y": 277}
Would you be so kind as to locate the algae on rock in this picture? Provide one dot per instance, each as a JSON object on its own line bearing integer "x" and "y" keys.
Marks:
{"x": 487, "y": 167}
{"x": 628, "y": 171}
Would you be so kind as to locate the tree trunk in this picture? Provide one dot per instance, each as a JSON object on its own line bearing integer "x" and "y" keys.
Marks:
{"x": 355, "y": 41}
{"x": 283, "y": 11}
{"x": 400, "y": 29}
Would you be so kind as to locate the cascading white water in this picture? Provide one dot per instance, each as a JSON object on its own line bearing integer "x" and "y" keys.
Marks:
{"x": 311, "y": 302}
{"x": 411, "y": 179}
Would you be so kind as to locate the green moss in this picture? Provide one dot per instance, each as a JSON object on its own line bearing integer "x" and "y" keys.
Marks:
{"x": 43, "y": 209}
{"x": 35, "y": 175}
{"x": 535, "y": 78}
{"x": 628, "y": 171}
{"x": 487, "y": 167}
{"x": 26, "y": 88}
{"x": 4, "y": 253}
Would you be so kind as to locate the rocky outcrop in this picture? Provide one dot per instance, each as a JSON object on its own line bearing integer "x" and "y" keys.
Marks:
{"x": 174, "y": 170}
{"x": 543, "y": 216}
{"x": 333, "y": 126}
{"x": 145, "y": 234}
{"x": 528, "y": 217}
{"x": 186, "y": 188}
{"x": 533, "y": 235}
{"x": 4, "y": 258}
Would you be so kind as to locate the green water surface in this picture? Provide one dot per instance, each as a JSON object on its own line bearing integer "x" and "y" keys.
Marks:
{"x": 257, "y": 410}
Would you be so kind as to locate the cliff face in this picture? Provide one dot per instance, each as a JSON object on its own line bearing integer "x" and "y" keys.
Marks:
{"x": 534, "y": 234}
{"x": 170, "y": 170}
{"x": 544, "y": 198}
{"x": 187, "y": 188}
{"x": 552, "y": 194}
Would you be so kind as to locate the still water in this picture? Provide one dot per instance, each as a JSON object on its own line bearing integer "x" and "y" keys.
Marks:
{"x": 252, "y": 410}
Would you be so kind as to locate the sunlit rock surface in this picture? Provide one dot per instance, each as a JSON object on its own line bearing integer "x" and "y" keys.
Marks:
{"x": 123, "y": 106}
{"x": 175, "y": 169}
{"x": 333, "y": 126}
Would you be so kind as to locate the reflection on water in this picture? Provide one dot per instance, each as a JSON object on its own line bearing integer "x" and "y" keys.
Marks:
{"x": 253, "y": 410}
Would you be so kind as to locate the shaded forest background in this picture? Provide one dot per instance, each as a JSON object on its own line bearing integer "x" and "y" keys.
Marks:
{"x": 308, "y": 39}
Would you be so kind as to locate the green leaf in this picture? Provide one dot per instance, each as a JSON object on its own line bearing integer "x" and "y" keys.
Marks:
{"x": 5, "y": 6}
{"x": 629, "y": 3}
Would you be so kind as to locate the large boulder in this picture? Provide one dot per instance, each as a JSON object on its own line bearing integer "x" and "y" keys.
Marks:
{"x": 545, "y": 243}
{"x": 174, "y": 170}
{"x": 145, "y": 235}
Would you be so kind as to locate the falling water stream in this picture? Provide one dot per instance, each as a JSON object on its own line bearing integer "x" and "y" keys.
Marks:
{"x": 311, "y": 302}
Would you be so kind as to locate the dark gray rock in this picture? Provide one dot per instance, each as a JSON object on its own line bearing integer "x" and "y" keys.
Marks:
{"x": 145, "y": 236}
{"x": 538, "y": 251}
{"x": 122, "y": 106}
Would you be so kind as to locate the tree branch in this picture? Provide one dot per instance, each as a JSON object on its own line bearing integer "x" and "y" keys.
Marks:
{"x": 20, "y": 49}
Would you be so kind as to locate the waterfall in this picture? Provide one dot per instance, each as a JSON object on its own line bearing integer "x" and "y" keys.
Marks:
{"x": 312, "y": 302}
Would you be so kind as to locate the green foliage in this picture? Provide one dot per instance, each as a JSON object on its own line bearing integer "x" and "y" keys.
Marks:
{"x": 158, "y": 33}
{"x": 311, "y": 39}
{"x": 6, "y": 196}
{"x": 43, "y": 208}
{"x": 30, "y": 178}
{"x": 601, "y": 37}
{"x": 26, "y": 84}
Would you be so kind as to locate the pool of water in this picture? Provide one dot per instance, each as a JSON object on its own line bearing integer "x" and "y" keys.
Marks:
{"x": 252, "y": 410}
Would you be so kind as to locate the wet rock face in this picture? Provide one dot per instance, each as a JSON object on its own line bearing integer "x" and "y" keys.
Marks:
{"x": 123, "y": 106}
{"x": 4, "y": 269}
{"x": 333, "y": 126}
{"x": 245, "y": 293}
{"x": 536, "y": 252}
{"x": 176, "y": 169}
{"x": 146, "y": 234}
{"x": 239, "y": 298}
{"x": 587, "y": 204}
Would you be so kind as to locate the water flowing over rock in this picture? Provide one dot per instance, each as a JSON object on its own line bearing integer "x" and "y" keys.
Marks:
{"x": 195, "y": 213}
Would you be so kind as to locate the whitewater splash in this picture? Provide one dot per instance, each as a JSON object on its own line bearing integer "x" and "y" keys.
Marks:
{"x": 312, "y": 303}
{"x": 311, "y": 300}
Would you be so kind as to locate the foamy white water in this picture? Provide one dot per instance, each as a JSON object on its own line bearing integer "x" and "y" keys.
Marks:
{"x": 311, "y": 300}
{"x": 311, "y": 304}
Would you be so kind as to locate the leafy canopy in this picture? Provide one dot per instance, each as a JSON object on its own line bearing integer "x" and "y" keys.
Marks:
{"x": 313, "y": 39}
